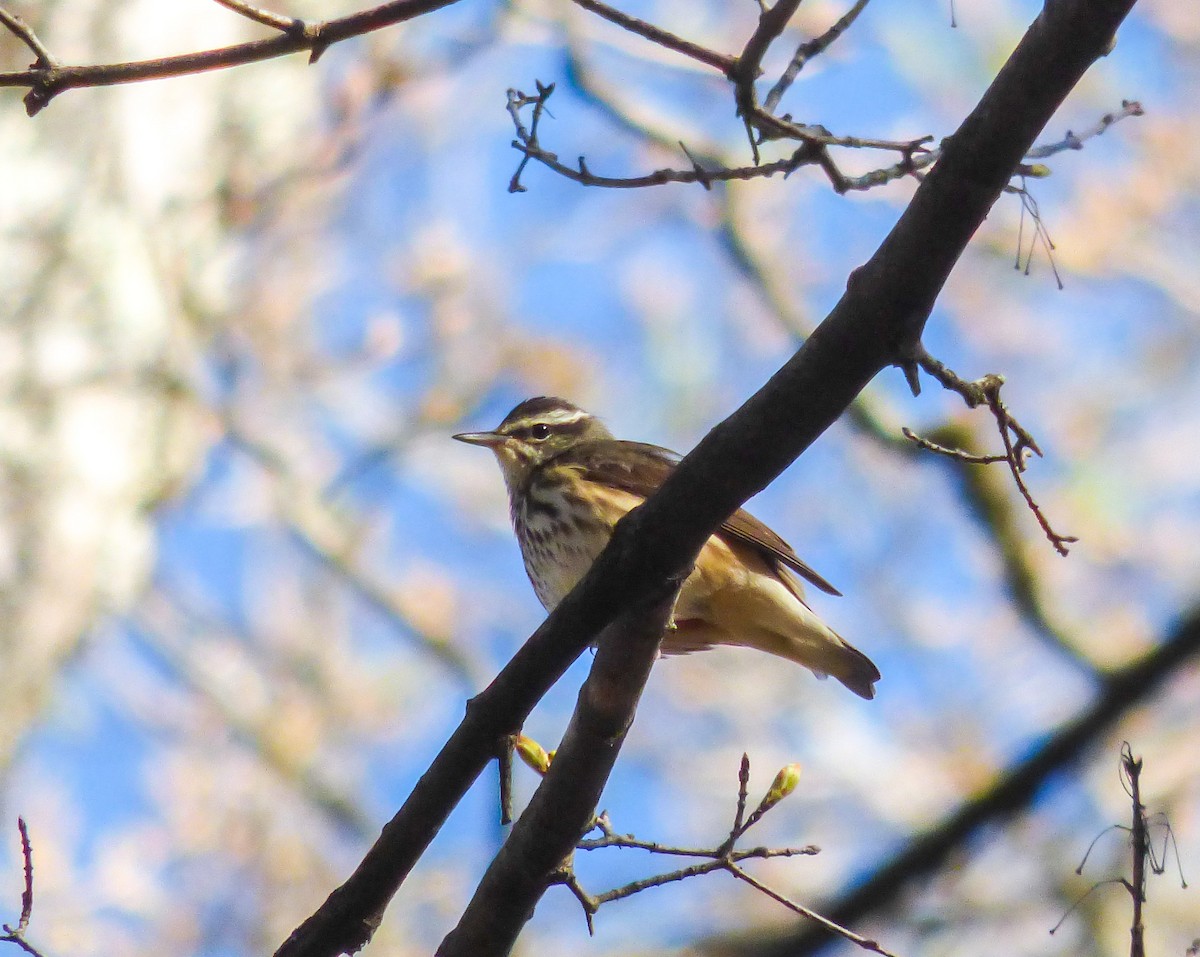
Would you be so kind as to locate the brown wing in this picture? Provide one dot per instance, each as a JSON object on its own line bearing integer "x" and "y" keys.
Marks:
{"x": 746, "y": 528}
{"x": 640, "y": 469}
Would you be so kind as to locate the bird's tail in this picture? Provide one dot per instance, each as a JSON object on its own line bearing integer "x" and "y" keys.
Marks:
{"x": 771, "y": 617}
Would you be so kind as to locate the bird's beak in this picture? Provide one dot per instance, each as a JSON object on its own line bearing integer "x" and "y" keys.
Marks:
{"x": 490, "y": 439}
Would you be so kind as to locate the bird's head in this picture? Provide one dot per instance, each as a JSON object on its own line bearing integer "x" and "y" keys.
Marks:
{"x": 535, "y": 432}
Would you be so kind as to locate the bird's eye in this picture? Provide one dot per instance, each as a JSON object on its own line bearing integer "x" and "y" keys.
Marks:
{"x": 539, "y": 431}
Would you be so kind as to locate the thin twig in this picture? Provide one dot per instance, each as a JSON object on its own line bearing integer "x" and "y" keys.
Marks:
{"x": 812, "y": 915}
{"x": 1144, "y": 859}
{"x": 718, "y": 61}
{"x": 1040, "y": 233}
{"x": 1016, "y": 465}
{"x": 24, "y": 32}
{"x": 1018, "y": 442}
{"x": 739, "y": 815}
{"x": 806, "y": 51}
{"x": 16, "y": 935}
{"x": 265, "y": 17}
{"x": 528, "y": 145}
{"x": 504, "y": 762}
{"x": 772, "y": 21}
{"x": 978, "y": 393}
{"x": 47, "y": 81}
{"x": 721, "y": 858}
{"x": 957, "y": 454}
{"x": 659, "y": 880}
{"x": 1139, "y": 847}
{"x": 27, "y": 891}
{"x": 1075, "y": 141}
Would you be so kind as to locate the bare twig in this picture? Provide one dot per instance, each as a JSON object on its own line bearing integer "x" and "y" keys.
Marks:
{"x": 1139, "y": 847}
{"x": 772, "y": 21}
{"x": 722, "y": 858}
{"x": 529, "y": 146}
{"x": 1141, "y": 851}
{"x": 16, "y": 935}
{"x": 762, "y": 124}
{"x": 1075, "y": 141}
{"x": 46, "y": 81}
{"x": 24, "y": 32}
{"x": 915, "y": 156}
{"x": 505, "y": 764}
{"x": 957, "y": 454}
{"x": 824, "y": 922}
{"x": 1018, "y": 442}
{"x": 265, "y": 17}
{"x": 1016, "y": 464}
{"x": 977, "y": 393}
{"x": 739, "y": 816}
{"x": 1041, "y": 234}
{"x": 806, "y": 51}
{"x": 27, "y": 890}
{"x": 655, "y": 34}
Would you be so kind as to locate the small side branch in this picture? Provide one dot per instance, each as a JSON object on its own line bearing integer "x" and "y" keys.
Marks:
{"x": 958, "y": 455}
{"x": 809, "y": 49}
{"x": 16, "y": 935}
{"x": 48, "y": 78}
{"x": 528, "y": 144}
{"x": 724, "y": 857}
{"x": 24, "y": 32}
{"x": 265, "y": 17}
{"x": 824, "y": 922}
{"x": 1075, "y": 141}
{"x": 718, "y": 61}
{"x": 1018, "y": 442}
{"x": 1131, "y": 768}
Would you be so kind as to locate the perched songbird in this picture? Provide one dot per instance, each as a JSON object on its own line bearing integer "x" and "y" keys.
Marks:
{"x": 569, "y": 483}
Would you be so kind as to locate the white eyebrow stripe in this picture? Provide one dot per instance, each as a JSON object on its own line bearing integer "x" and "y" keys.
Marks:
{"x": 563, "y": 416}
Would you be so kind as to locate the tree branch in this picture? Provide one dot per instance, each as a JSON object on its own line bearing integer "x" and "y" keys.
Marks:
{"x": 878, "y": 322}
{"x": 655, "y": 34}
{"x": 809, "y": 49}
{"x": 561, "y": 810}
{"x": 47, "y": 80}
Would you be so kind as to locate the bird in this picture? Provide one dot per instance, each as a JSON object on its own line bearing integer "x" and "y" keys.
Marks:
{"x": 570, "y": 481}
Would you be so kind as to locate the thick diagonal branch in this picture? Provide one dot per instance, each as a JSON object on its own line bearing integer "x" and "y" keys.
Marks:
{"x": 563, "y": 807}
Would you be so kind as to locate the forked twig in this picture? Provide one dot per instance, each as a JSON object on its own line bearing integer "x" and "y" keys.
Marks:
{"x": 528, "y": 144}
{"x": 1041, "y": 234}
{"x": 1018, "y": 442}
{"x": 722, "y": 858}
